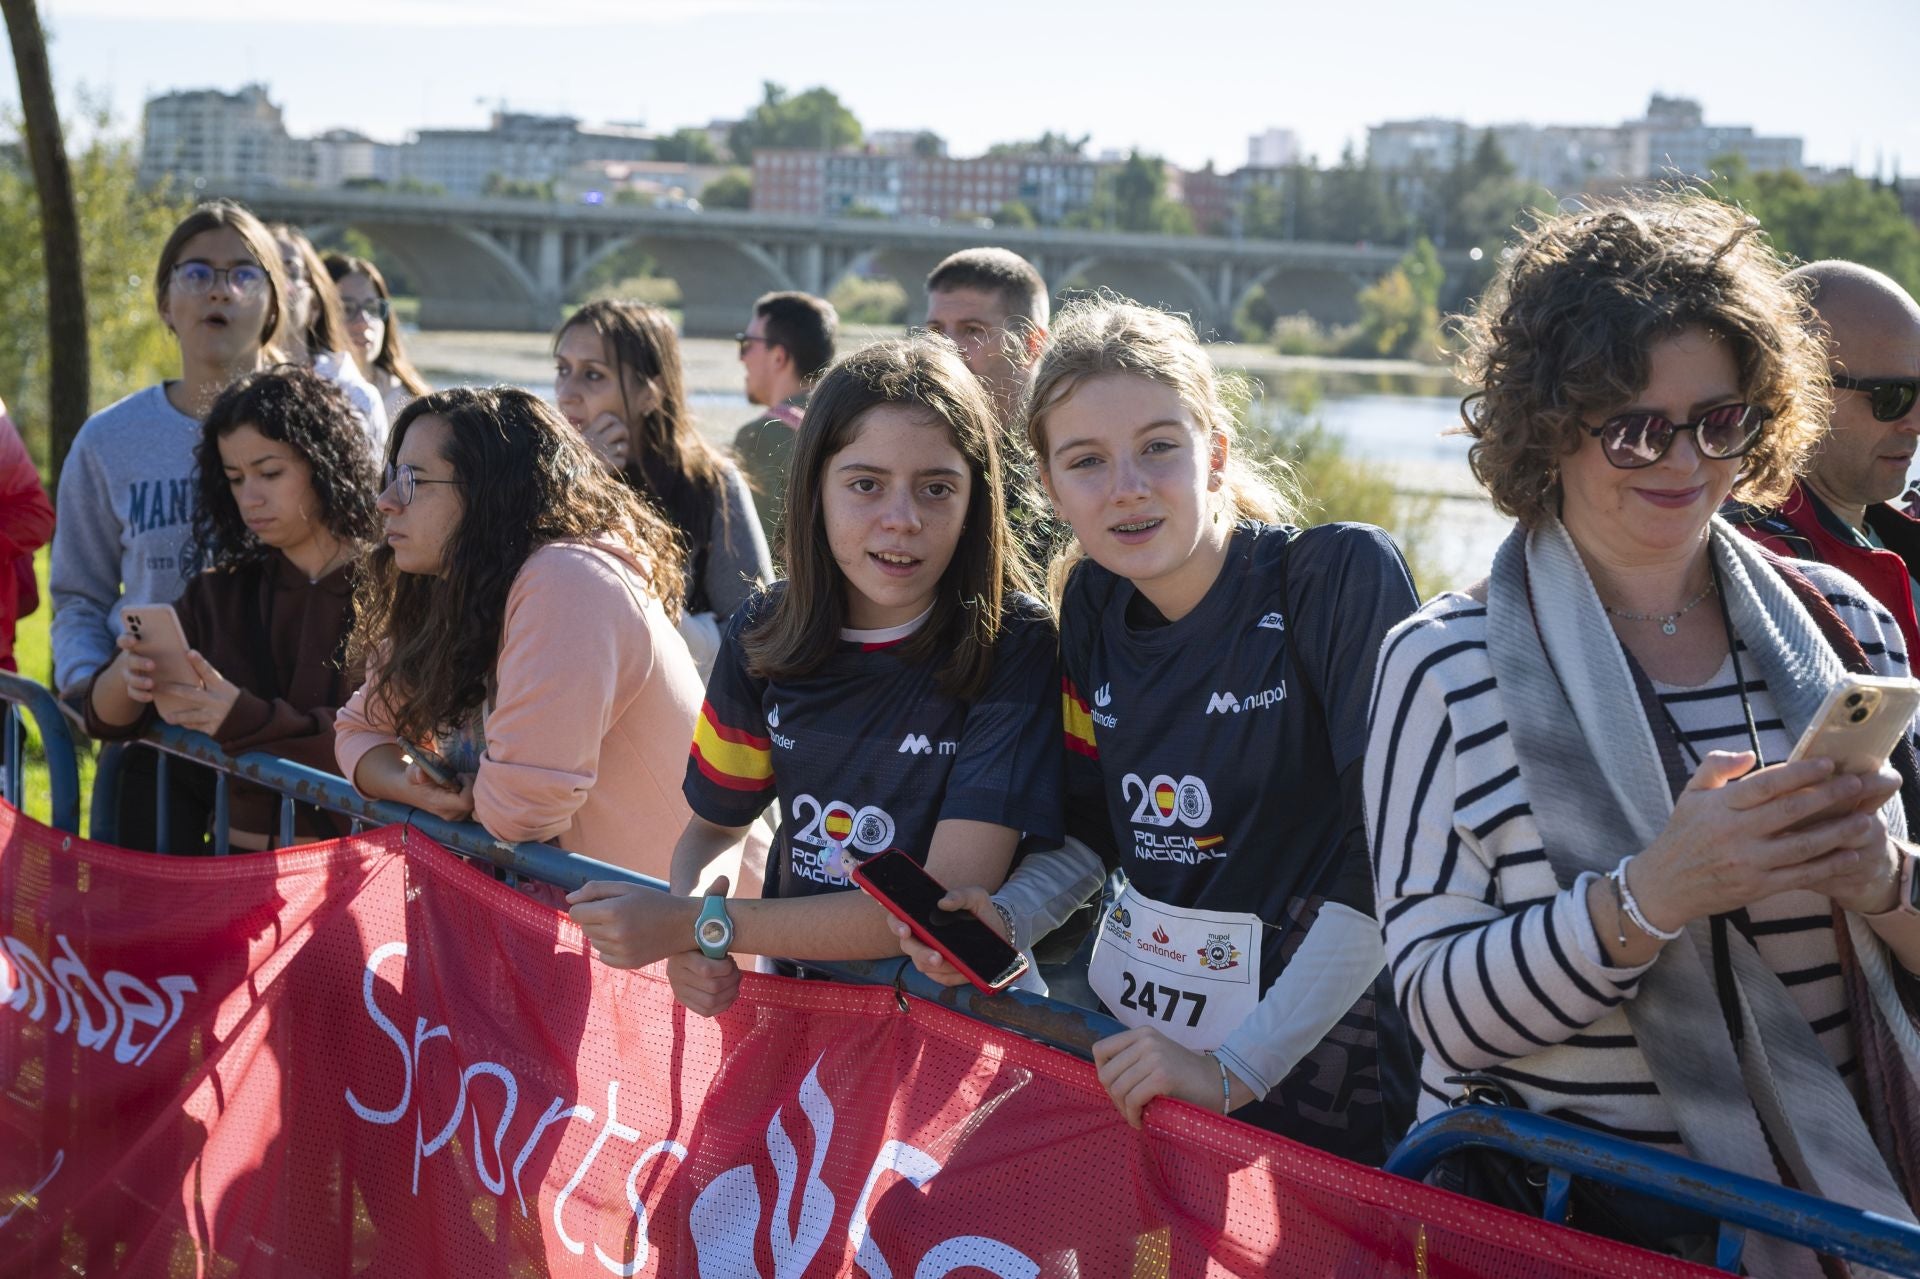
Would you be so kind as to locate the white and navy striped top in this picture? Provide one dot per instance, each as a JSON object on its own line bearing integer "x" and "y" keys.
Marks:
{"x": 1495, "y": 963}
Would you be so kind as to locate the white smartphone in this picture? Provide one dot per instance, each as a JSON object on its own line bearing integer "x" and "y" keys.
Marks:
{"x": 157, "y": 629}
{"x": 1860, "y": 722}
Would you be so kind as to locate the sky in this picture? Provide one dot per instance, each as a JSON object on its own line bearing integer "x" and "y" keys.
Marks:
{"x": 1187, "y": 79}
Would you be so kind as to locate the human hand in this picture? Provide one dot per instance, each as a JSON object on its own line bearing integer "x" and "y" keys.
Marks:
{"x": 202, "y": 707}
{"x": 1734, "y": 840}
{"x": 974, "y": 900}
{"x": 1138, "y": 1065}
{"x": 609, "y": 439}
{"x": 705, "y": 986}
{"x": 451, "y": 803}
{"x": 630, "y": 926}
{"x": 1870, "y": 884}
{"x": 135, "y": 670}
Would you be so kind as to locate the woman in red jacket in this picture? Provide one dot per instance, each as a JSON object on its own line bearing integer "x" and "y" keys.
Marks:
{"x": 26, "y": 525}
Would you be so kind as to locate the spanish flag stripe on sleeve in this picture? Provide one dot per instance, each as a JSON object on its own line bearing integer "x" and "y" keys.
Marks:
{"x": 730, "y": 757}
{"x": 1077, "y": 720}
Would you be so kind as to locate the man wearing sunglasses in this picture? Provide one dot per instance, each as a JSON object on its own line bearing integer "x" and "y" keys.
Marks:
{"x": 784, "y": 349}
{"x": 1841, "y": 512}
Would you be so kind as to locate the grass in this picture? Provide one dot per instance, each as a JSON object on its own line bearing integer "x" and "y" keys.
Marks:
{"x": 33, "y": 650}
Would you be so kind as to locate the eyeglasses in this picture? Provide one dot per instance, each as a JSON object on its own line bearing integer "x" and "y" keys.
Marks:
{"x": 196, "y": 278}
{"x": 1634, "y": 440}
{"x": 371, "y": 309}
{"x": 404, "y": 480}
{"x": 1890, "y": 398}
{"x": 745, "y": 340}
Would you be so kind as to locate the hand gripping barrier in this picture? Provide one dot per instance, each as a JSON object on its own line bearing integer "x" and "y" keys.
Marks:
{"x": 1738, "y": 1202}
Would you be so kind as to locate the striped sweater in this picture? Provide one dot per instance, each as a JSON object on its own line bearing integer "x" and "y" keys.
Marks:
{"x": 1494, "y": 961}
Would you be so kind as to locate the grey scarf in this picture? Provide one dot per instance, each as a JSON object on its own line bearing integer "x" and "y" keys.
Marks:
{"x": 1598, "y": 791}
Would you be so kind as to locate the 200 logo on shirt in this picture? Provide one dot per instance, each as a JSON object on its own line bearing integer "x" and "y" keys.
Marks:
{"x": 1163, "y": 801}
{"x": 830, "y": 827}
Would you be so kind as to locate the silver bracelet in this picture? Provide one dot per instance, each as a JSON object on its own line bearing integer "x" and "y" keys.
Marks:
{"x": 1006, "y": 917}
{"x": 1619, "y": 877}
{"x": 1226, "y": 1089}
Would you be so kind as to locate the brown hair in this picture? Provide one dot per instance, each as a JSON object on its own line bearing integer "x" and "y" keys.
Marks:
{"x": 528, "y": 479}
{"x": 212, "y": 216}
{"x": 327, "y": 327}
{"x": 802, "y": 630}
{"x": 669, "y": 463}
{"x": 802, "y": 325}
{"x": 1015, "y": 280}
{"x": 1565, "y": 330}
{"x": 392, "y": 355}
{"x": 1104, "y": 335}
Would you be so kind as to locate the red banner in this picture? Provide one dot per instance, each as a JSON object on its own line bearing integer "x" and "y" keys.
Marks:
{"x": 368, "y": 1058}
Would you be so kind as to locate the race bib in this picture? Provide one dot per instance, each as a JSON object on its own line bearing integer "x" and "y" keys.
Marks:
{"x": 1193, "y": 975}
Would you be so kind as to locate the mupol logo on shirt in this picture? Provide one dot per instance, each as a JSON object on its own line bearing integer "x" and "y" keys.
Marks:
{"x": 1228, "y": 704}
{"x": 1272, "y": 622}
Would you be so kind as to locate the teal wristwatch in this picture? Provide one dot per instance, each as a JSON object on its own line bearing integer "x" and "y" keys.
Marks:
{"x": 713, "y": 931}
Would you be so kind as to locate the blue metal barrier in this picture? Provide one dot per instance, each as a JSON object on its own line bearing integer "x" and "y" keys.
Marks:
{"x": 1738, "y": 1202}
{"x": 56, "y": 743}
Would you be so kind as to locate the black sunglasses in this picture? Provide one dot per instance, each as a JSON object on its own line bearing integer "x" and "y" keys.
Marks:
{"x": 1890, "y": 398}
{"x": 1634, "y": 440}
{"x": 746, "y": 340}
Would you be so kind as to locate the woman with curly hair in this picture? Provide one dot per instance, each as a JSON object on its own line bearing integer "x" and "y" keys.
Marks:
{"x": 1605, "y": 893}
{"x": 517, "y": 627}
{"x": 283, "y": 511}
{"x": 617, "y": 379}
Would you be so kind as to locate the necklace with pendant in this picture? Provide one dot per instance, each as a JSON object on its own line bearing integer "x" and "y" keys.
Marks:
{"x": 1669, "y": 622}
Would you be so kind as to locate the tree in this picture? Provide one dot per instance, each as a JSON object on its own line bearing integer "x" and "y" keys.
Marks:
{"x": 502, "y": 187}
{"x": 928, "y": 145}
{"x": 1014, "y": 213}
{"x": 816, "y": 120}
{"x": 69, "y": 393}
{"x": 123, "y": 226}
{"x": 1400, "y": 312}
{"x": 1049, "y": 145}
{"x": 687, "y": 146}
{"x": 1133, "y": 198}
{"x": 731, "y": 190}
{"x": 1854, "y": 219}
{"x": 1351, "y": 204}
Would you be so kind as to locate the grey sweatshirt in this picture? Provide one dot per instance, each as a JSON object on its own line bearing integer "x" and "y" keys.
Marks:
{"x": 126, "y": 513}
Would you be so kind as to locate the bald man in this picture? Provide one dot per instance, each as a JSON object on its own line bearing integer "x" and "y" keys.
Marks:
{"x": 1840, "y": 511}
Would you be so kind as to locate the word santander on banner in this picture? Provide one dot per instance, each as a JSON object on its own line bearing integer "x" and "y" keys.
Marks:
{"x": 389, "y": 1064}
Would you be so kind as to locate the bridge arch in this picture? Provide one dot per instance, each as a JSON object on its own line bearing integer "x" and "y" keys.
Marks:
{"x": 1166, "y": 282}
{"x": 465, "y": 278}
{"x": 1330, "y": 295}
{"x": 719, "y": 278}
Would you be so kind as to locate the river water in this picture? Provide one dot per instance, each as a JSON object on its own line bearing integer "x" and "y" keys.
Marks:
{"x": 1397, "y": 422}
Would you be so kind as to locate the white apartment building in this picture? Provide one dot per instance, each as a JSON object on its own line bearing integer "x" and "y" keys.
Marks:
{"x": 207, "y": 137}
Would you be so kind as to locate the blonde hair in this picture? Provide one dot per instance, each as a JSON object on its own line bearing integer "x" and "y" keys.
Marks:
{"x": 1107, "y": 334}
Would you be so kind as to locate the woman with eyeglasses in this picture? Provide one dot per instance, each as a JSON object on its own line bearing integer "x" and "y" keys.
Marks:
{"x": 1606, "y": 894}
{"x": 374, "y": 332}
{"x": 517, "y": 628}
{"x": 617, "y": 379}
{"x": 127, "y": 486}
{"x": 316, "y": 330}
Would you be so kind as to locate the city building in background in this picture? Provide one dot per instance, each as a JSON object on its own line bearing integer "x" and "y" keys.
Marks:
{"x": 1273, "y": 149}
{"x": 869, "y": 182}
{"x": 517, "y": 148}
{"x": 206, "y": 136}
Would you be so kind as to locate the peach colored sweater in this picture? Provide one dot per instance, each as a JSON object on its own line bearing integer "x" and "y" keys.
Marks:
{"x": 587, "y": 733}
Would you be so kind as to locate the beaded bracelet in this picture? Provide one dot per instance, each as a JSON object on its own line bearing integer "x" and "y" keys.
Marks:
{"x": 1632, "y": 908}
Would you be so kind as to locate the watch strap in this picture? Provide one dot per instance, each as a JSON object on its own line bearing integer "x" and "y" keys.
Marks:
{"x": 713, "y": 911}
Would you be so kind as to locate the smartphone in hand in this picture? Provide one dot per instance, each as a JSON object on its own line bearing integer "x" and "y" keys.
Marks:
{"x": 1860, "y": 722}
{"x": 157, "y": 630}
{"x": 911, "y": 895}
{"x": 431, "y": 764}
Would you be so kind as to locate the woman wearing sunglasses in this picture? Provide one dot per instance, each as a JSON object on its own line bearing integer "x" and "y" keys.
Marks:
{"x": 1604, "y": 892}
{"x": 1840, "y": 511}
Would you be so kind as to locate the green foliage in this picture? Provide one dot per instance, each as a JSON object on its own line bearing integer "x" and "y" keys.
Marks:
{"x": 1853, "y": 219}
{"x": 1051, "y": 145}
{"x": 507, "y": 188}
{"x": 687, "y": 146}
{"x": 1301, "y": 335}
{"x": 405, "y": 186}
{"x": 122, "y": 228}
{"x": 1348, "y": 203}
{"x": 1133, "y": 197}
{"x": 815, "y": 120}
{"x": 869, "y": 301}
{"x": 1400, "y": 312}
{"x": 1336, "y": 486}
{"x": 1256, "y": 315}
{"x": 630, "y": 273}
{"x": 1014, "y": 213}
{"x": 731, "y": 190}
{"x": 928, "y": 145}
